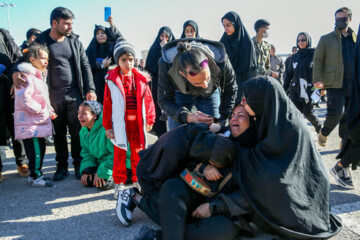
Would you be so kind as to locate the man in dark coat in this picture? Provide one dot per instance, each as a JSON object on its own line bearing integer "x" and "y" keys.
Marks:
{"x": 70, "y": 82}
{"x": 31, "y": 35}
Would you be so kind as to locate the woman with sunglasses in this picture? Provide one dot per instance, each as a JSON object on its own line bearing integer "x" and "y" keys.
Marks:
{"x": 196, "y": 75}
{"x": 164, "y": 36}
{"x": 190, "y": 29}
{"x": 239, "y": 48}
{"x": 299, "y": 79}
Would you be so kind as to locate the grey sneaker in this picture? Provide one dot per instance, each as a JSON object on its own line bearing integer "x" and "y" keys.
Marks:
{"x": 118, "y": 188}
{"x": 42, "y": 182}
{"x": 342, "y": 176}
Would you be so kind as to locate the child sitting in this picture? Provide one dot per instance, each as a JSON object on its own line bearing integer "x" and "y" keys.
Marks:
{"x": 128, "y": 111}
{"x": 97, "y": 150}
{"x": 33, "y": 112}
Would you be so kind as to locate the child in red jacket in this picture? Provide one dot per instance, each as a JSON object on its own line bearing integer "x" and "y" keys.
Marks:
{"x": 128, "y": 112}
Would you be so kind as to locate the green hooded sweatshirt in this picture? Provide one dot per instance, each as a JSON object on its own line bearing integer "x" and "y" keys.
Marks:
{"x": 97, "y": 150}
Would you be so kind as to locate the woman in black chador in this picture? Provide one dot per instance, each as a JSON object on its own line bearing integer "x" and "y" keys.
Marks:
{"x": 299, "y": 79}
{"x": 283, "y": 177}
{"x": 190, "y": 29}
{"x": 100, "y": 55}
{"x": 152, "y": 66}
{"x": 239, "y": 48}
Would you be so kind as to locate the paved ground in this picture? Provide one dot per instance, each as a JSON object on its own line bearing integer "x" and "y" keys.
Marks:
{"x": 70, "y": 211}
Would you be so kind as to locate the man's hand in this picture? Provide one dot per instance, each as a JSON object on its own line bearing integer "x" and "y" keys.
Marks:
{"x": 19, "y": 79}
{"x": 110, "y": 20}
{"x": 319, "y": 85}
{"x": 274, "y": 74}
{"x": 199, "y": 117}
{"x": 12, "y": 92}
{"x": 110, "y": 134}
{"x": 148, "y": 127}
{"x": 84, "y": 178}
{"x": 202, "y": 211}
{"x": 98, "y": 182}
{"x": 91, "y": 96}
{"x": 211, "y": 173}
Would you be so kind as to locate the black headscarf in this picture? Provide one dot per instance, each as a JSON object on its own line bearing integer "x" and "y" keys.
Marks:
{"x": 239, "y": 46}
{"x": 283, "y": 176}
{"x": 152, "y": 60}
{"x": 194, "y": 25}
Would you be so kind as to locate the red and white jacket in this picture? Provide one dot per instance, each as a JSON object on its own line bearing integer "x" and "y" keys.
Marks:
{"x": 114, "y": 106}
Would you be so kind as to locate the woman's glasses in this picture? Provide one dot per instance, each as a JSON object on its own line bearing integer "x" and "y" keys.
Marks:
{"x": 204, "y": 64}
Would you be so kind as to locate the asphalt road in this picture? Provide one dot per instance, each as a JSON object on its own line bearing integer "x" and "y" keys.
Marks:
{"x": 70, "y": 211}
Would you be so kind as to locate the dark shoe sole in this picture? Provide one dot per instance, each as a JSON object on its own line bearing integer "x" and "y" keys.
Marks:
{"x": 62, "y": 177}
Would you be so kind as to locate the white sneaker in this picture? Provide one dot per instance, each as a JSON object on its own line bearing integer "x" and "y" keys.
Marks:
{"x": 2, "y": 153}
{"x": 118, "y": 188}
{"x": 42, "y": 182}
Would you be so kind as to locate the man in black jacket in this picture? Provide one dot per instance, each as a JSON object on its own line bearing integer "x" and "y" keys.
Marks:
{"x": 70, "y": 82}
{"x": 206, "y": 83}
{"x": 30, "y": 37}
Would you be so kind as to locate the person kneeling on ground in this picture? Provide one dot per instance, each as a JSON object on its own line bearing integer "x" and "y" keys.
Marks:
{"x": 97, "y": 150}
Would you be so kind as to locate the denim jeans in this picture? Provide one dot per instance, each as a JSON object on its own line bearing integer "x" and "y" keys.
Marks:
{"x": 209, "y": 105}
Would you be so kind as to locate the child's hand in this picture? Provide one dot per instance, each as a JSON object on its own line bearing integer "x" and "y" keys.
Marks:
{"x": 211, "y": 173}
{"x": 215, "y": 127}
{"x": 53, "y": 116}
{"x": 148, "y": 127}
{"x": 84, "y": 178}
{"x": 110, "y": 134}
{"x": 98, "y": 182}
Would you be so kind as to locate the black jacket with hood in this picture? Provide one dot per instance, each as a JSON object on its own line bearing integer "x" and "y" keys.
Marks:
{"x": 82, "y": 67}
{"x": 170, "y": 80}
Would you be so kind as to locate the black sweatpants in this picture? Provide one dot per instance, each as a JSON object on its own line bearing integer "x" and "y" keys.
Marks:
{"x": 66, "y": 107}
{"x": 35, "y": 152}
{"x": 176, "y": 204}
{"x": 307, "y": 109}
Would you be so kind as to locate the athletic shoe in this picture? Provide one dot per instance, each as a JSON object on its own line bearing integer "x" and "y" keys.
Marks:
{"x": 322, "y": 139}
{"x": 125, "y": 206}
{"x": 2, "y": 153}
{"x": 147, "y": 233}
{"x": 60, "y": 174}
{"x": 23, "y": 170}
{"x": 42, "y": 182}
{"x": 118, "y": 188}
{"x": 342, "y": 176}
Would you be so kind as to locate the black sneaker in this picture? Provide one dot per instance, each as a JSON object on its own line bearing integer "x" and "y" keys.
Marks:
{"x": 147, "y": 233}
{"x": 342, "y": 176}
{"x": 60, "y": 174}
{"x": 125, "y": 205}
{"x": 77, "y": 171}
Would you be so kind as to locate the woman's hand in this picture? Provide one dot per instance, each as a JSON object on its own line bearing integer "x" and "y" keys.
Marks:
{"x": 211, "y": 173}
{"x": 84, "y": 178}
{"x": 98, "y": 182}
{"x": 110, "y": 20}
{"x": 202, "y": 211}
{"x": 106, "y": 62}
{"x": 110, "y": 134}
{"x": 215, "y": 127}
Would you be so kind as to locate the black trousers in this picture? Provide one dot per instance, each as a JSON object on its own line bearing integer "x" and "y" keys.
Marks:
{"x": 242, "y": 77}
{"x": 337, "y": 102}
{"x": 176, "y": 203}
{"x": 66, "y": 107}
{"x": 307, "y": 109}
{"x": 35, "y": 152}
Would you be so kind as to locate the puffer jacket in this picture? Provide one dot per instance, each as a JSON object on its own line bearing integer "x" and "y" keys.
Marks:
{"x": 222, "y": 73}
{"x": 97, "y": 150}
{"x": 32, "y": 116}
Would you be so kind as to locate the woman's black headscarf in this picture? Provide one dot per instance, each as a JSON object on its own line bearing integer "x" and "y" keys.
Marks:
{"x": 194, "y": 25}
{"x": 239, "y": 46}
{"x": 283, "y": 176}
{"x": 152, "y": 60}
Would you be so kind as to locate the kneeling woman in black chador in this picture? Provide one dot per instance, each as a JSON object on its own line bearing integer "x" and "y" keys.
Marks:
{"x": 239, "y": 48}
{"x": 283, "y": 177}
{"x": 164, "y": 36}
{"x": 190, "y": 29}
{"x": 299, "y": 79}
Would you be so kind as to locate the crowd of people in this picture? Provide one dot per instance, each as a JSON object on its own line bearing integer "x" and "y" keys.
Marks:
{"x": 233, "y": 148}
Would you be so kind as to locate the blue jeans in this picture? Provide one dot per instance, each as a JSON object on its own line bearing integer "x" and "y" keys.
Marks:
{"x": 209, "y": 105}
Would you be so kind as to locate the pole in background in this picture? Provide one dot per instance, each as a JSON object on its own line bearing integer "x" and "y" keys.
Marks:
{"x": 8, "y": 13}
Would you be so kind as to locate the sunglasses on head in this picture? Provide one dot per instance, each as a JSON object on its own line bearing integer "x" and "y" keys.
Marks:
{"x": 301, "y": 40}
{"x": 204, "y": 64}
